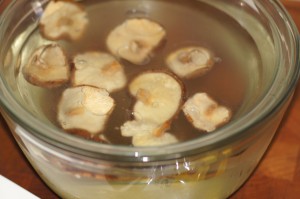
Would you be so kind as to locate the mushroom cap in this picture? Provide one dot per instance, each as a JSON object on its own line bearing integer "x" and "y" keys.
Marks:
{"x": 47, "y": 67}
{"x": 204, "y": 113}
{"x": 63, "y": 19}
{"x": 135, "y": 39}
{"x": 84, "y": 108}
{"x": 100, "y": 70}
{"x": 148, "y": 139}
{"x": 159, "y": 96}
{"x": 190, "y": 62}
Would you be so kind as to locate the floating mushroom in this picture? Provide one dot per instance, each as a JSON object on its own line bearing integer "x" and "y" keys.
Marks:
{"x": 84, "y": 109}
{"x": 98, "y": 69}
{"x": 135, "y": 39}
{"x": 134, "y": 127}
{"x": 145, "y": 133}
{"x": 159, "y": 96}
{"x": 190, "y": 62}
{"x": 149, "y": 140}
{"x": 204, "y": 113}
{"x": 47, "y": 67}
{"x": 63, "y": 19}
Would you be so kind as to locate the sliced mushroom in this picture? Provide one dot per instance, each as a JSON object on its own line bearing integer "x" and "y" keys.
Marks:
{"x": 204, "y": 113}
{"x": 149, "y": 139}
{"x": 145, "y": 133}
{"x": 134, "y": 127}
{"x": 63, "y": 19}
{"x": 85, "y": 109}
{"x": 190, "y": 62}
{"x": 135, "y": 39}
{"x": 100, "y": 70}
{"x": 159, "y": 96}
{"x": 47, "y": 67}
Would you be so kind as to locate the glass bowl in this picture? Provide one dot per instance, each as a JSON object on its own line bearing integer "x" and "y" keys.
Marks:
{"x": 211, "y": 166}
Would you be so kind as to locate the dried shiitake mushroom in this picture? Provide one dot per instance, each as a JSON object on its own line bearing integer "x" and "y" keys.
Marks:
{"x": 63, "y": 19}
{"x": 159, "y": 97}
{"x": 190, "y": 61}
{"x": 98, "y": 69}
{"x": 47, "y": 67}
{"x": 204, "y": 113}
{"x": 84, "y": 109}
{"x": 135, "y": 39}
{"x": 151, "y": 140}
{"x": 158, "y": 94}
{"x": 146, "y": 133}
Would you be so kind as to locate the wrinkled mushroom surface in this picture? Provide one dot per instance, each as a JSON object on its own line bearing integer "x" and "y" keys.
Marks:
{"x": 190, "y": 61}
{"x": 84, "y": 108}
{"x": 47, "y": 67}
{"x": 159, "y": 96}
{"x": 149, "y": 139}
{"x": 205, "y": 113}
{"x": 63, "y": 19}
{"x": 98, "y": 69}
{"x": 135, "y": 39}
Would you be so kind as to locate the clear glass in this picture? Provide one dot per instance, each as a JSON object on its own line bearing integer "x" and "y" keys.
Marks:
{"x": 212, "y": 166}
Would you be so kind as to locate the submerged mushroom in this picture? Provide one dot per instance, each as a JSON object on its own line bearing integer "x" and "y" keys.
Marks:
{"x": 63, "y": 19}
{"x": 98, "y": 69}
{"x": 146, "y": 133}
{"x": 47, "y": 67}
{"x": 204, "y": 113}
{"x": 84, "y": 109}
{"x": 190, "y": 62}
{"x": 135, "y": 39}
{"x": 150, "y": 140}
{"x": 159, "y": 96}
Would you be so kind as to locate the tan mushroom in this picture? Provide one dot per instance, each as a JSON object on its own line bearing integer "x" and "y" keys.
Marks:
{"x": 148, "y": 139}
{"x": 134, "y": 127}
{"x": 146, "y": 133}
{"x": 135, "y": 39}
{"x": 159, "y": 97}
{"x": 190, "y": 61}
{"x": 85, "y": 108}
{"x": 47, "y": 67}
{"x": 204, "y": 113}
{"x": 63, "y": 20}
{"x": 98, "y": 69}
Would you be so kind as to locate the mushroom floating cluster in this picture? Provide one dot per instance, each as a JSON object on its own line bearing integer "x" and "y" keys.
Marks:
{"x": 90, "y": 77}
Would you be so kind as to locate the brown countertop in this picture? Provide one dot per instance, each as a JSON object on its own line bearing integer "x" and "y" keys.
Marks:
{"x": 277, "y": 176}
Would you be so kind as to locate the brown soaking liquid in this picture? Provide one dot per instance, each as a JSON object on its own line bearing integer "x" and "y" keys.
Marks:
{"x": 190, "y": 24}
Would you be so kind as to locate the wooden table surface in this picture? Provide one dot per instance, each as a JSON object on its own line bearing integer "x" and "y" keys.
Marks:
{"x": 277, "y": 176}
